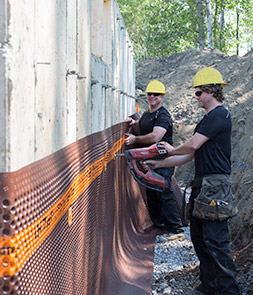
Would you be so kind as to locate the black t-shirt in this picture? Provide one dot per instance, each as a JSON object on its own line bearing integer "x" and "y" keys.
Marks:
{"x": 161, "y": 118}
{"x": 213, "y": 157}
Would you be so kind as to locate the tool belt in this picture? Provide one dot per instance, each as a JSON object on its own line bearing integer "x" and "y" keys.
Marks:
{"x": 215, "y": 201}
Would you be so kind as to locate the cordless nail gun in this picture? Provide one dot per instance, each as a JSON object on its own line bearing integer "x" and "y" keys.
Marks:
{"x": 150, "y": 178}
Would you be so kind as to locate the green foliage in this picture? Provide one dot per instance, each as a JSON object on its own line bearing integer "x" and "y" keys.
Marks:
{"x": 245, "y": 10}
{"x": 160, "y": 28}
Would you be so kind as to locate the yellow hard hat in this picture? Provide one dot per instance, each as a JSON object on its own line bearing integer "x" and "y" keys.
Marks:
{"x": 208, "y": 76}
{"x": 155, "y": 87}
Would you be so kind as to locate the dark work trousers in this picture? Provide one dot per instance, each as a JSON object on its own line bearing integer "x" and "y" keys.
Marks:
{"x": 211, "y": 243}
{"x": 162, "y": 205}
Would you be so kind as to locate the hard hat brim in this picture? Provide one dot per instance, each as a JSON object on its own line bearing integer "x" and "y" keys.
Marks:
{"x": 222, "y": 85}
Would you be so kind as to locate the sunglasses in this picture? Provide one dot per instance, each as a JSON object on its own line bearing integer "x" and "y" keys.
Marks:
{"x": 198, "y": 93}
{"x": 155, "y": 94}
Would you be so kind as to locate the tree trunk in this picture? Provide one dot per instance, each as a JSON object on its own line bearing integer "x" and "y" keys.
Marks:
{"x": 237, "y": 30}
{"x": 221, "y": 41}
{"x": 200, "y": 16}
{"x": 215, "y": 25}
{"x": 209, "y": 25}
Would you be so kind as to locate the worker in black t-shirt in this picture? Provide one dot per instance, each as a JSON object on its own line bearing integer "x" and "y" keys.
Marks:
{"x": 210, "y": 146}
{"x": 156, "y": 125}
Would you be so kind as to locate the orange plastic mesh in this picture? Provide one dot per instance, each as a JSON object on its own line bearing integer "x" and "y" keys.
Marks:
{"x": 76, "y": 222}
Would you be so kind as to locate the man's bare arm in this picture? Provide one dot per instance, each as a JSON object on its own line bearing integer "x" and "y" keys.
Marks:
{"x": 190, "y": 146}
{"x": 155, "y": 136}
{"x": 170, "y": 161}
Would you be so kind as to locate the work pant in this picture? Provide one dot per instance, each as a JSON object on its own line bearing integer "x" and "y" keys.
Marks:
{"x": 211, "y": 243}
{"x": 162, "y": 205}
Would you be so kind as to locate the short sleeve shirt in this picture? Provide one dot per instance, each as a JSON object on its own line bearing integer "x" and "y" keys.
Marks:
{"x": 159, "y": 118}
{"x": 213, "y": 157}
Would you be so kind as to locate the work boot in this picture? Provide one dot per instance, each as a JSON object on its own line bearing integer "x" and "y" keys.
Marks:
{"x": 161, "y": 231}
{"x": 157, "y": 222}
{"x": 197, "y": 292}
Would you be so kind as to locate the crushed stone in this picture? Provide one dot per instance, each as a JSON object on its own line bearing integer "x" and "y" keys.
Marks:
{"x": 172, "y": 257}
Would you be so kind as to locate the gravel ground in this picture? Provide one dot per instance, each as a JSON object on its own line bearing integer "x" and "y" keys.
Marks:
{"x": 175, "y": 266}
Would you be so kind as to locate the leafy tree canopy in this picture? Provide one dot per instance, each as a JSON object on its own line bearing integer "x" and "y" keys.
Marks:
{"x": 160, "y": 28}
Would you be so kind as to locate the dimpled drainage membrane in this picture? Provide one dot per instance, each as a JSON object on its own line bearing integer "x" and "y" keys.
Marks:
{"x": 76, "y": 222}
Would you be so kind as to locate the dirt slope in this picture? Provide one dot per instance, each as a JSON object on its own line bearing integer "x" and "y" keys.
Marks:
{"x": 177, "y": 72}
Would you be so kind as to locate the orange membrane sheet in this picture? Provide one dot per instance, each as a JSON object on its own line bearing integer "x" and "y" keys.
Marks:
{"x": 76, "y": 222}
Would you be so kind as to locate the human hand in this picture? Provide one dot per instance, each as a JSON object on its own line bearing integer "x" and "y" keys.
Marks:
{"x": 154, "y": 164}
{"x": 169, "y": 148}
{"x": 130, "y": 139}
{"x": 130, "y": 120}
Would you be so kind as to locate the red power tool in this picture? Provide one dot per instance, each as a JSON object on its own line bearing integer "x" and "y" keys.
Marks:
{"x": 148, "y": 178}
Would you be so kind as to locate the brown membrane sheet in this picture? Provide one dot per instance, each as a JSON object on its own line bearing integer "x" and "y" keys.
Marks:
{"x": 76, "y": 222}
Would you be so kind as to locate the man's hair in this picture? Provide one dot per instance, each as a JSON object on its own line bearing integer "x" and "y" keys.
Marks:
{"x": 215, "y": 89}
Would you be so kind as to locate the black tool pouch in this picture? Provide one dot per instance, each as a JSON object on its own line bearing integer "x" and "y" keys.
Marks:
{"x": 215, "y": 200}
{"x": 195, "y": 189}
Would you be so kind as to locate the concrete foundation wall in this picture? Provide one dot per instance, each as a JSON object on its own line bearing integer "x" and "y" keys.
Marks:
{"x": 67, "y": 70}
